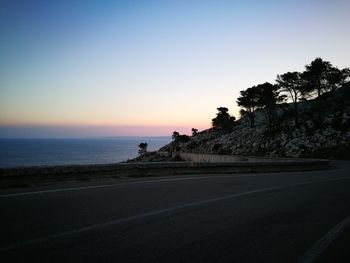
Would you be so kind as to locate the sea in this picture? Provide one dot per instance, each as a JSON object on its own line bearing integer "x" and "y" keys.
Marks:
{"x": 39, "y": 152}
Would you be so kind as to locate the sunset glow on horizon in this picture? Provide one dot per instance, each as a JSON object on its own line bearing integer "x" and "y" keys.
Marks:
{"x": 133, "y": 68}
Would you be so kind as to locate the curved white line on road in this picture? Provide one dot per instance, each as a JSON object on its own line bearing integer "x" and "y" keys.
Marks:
{"x": 121, "y": 184}
{"x": 162, "y": 211}
{"x": 321, "y": 245}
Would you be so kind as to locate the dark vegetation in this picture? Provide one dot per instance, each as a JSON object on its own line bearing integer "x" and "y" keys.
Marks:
{"x": 223, "y": 120}
{"x": 194, "y": 131}
{"x": 308, "y": 102}
{"x": 304, "y": 99}
{"x": 142, "y": 148}
{"x": 178, "y": 138}
{"x": 320, "y": 77}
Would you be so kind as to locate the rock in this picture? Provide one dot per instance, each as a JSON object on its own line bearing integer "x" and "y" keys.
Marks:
{"x": 313, "y": 133}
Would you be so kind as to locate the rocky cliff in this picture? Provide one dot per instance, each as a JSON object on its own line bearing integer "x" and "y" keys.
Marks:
{"x": 324, "y": 131}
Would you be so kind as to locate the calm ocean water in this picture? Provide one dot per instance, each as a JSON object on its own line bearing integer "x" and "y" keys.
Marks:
{"x": 30, "y": 152}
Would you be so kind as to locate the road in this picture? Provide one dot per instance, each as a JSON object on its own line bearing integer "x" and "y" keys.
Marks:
{"x": 270, "y": 217}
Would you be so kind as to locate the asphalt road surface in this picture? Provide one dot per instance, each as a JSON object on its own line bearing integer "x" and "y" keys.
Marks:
{"x": 270, "y": 217}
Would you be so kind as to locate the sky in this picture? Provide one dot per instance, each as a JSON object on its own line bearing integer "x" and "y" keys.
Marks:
{"x": 122, "y": 68}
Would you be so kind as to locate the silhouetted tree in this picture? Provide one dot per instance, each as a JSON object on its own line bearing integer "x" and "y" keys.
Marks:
{"x": 292, "y": 84}
{"x": 336, "y": 78}
{"x": 178, "y": 138}
{"x": 142, "y": 148}
{"x": 249, "y": 102}
{"x": 223, "y": 120}
{"x": 267, "y": 98}
{"x": 242, "y": 113}
{"x": 194, "y": 131}
{"x": 175, "y": 135}
{"x": 319, "y": 77}
{"x": 316, "y": 75}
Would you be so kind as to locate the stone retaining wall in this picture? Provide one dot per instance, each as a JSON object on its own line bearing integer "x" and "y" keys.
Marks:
{"x": 196, "y": 157}
{"x": 219, "y": 158}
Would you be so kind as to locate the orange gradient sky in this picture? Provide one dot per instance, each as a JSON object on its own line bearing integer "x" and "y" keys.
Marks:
{"x": 151, "y": 67}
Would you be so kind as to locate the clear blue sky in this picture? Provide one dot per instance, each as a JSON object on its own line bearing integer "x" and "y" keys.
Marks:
{"x": 86, "y": 68}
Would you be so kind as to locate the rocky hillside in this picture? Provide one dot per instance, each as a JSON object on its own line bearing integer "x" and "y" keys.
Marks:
{"x": 324, "y": 131}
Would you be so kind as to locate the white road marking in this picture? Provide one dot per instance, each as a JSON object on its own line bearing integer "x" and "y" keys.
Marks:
{"x": 121, "y": 184}
{"x": 161, "y": 211}
{"x": 312, "y": 254}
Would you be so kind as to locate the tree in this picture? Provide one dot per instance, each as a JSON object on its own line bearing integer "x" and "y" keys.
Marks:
{"x": 249, "y": 102}
{"x": 316, "y": 75}
{"x": 336, "y": 78}
{"x": 223, "y": 120}
{"x": 175, "y": 135}
{"x": 178, "y": 138}
{"x": 292, "y": 84}
{"x": 267, "y": 98}
{"x": 142, "y": 148}
{"x": 194, "y": 131}
{"x": 264, "y": 97}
